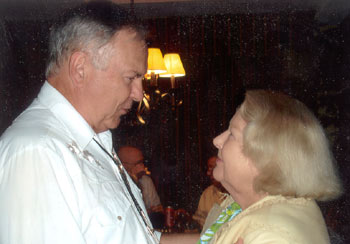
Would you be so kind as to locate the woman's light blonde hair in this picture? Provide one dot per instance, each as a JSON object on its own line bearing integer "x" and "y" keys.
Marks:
{"x": 288, "y": 146}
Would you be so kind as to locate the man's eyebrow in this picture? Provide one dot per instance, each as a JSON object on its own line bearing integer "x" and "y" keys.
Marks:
{"x": 134, "y": 73}
{"x": 125, "y": 162}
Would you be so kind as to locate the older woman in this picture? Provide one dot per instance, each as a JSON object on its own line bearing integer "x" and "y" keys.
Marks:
{"x": 274, "y": 160}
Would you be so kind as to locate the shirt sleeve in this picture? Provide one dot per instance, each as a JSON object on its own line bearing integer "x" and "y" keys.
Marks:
{"x": 206, "y": 202}
{"x": 38, "y": 201}
{"x": 149, "y": 193}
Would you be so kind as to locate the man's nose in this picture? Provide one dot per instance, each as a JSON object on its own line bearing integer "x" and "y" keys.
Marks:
{"x": 137, "y": 90}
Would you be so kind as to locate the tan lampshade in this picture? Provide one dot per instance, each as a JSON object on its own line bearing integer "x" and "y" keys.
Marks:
{"x": 155, "y": 61}
{"x": 173, "y": 65}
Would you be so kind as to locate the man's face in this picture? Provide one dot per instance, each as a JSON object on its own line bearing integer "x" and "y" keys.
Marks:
{"x": 110, "y": 91}
{"x": 132, "y": 159}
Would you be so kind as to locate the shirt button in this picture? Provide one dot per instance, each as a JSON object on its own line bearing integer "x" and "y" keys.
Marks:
{"x": 119, "y": 218}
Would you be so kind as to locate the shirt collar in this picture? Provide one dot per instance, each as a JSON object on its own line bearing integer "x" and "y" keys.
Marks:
{"x": 63, "y": 110}
{"x": 105, "y": 138}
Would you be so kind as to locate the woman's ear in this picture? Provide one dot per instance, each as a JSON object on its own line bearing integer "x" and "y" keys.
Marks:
{"x": 77, "y": 66}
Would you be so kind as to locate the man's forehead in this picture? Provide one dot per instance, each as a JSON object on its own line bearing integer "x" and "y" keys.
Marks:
{"x": 130, "y": 154}
{"x": 133, "y": 50}
{"x": 129, "y": 149}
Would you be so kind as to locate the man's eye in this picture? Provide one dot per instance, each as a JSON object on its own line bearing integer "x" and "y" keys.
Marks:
{"x": 130, "y": 79}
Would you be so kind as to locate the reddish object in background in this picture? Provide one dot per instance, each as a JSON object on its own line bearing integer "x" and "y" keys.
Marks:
{"x": 169, "y": 213}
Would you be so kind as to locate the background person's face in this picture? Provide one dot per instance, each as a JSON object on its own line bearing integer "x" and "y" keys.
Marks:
{"x": 211, "y": 165}
{"x": 132, "y": 159}
{"x": 233, "y": 169}
{"x": 112, "y": 90}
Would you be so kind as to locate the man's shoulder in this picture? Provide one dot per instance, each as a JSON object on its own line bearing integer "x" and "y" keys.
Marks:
{"x": 146, "y": 180}
{"x": 35, "y": 125}
{"x": 207, "y": 192}
{"x": 211, "y": 189}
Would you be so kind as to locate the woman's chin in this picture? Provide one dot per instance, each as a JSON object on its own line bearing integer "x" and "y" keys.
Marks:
{"x": 217, "y": 175}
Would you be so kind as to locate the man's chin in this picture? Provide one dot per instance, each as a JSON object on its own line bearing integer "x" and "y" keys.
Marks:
{"x": 115, "y": 124}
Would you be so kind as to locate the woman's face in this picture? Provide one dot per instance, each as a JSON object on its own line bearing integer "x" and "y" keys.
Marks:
{"x": 234, "y": 170}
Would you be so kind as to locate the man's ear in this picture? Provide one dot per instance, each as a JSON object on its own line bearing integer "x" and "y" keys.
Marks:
{"x": 77, "y": 66}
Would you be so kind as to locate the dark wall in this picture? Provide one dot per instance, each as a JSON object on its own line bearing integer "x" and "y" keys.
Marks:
{"x": 23, "y": 65}
{"x": 6, "y": 74}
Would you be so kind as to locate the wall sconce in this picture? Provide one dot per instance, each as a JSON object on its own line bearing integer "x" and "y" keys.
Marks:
{"x": 168, "y": 67}
{"x": 174, "y": 69}
{"x": 155, "y": 64}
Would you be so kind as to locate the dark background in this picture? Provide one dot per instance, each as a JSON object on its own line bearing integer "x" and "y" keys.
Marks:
{"x": 225, "y": 49}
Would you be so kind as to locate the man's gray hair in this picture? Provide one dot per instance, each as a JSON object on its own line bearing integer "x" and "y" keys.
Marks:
{"x": 87, "y": 28}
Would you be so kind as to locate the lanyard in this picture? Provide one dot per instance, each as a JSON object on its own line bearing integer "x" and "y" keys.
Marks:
{"x": 126, "y": 182}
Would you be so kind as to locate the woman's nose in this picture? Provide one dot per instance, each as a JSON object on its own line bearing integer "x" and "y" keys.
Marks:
{"x": 218, "y": 141}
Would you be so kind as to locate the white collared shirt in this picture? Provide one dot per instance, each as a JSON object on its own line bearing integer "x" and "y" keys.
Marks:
{"x": 149, "y": 192}
{"x": 58, "y": 186}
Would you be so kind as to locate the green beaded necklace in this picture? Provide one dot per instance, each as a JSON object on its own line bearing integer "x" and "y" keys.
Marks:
{"x": 225, "y": 216}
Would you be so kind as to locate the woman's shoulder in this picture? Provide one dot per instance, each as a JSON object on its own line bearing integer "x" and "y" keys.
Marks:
{"x": 273, "y": 208}
{"x": 290, "y": 218}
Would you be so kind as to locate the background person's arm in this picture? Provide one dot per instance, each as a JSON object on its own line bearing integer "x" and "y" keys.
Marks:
{"x": 185, "y": 238}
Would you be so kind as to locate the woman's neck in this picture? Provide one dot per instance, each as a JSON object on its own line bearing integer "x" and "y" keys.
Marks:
{"x": 246, "y": 201}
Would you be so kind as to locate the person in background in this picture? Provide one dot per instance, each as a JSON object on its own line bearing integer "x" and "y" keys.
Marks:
{"x": 274, "y": 160}
{"x": 213, "y": 194}
{"x": 60, "y": 180}
{"x": 133, "y": 161}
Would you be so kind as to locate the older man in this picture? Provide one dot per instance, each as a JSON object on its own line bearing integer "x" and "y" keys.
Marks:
{"x": 133, "y": 161}
{"x": 60, "y": 181}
